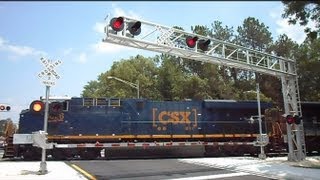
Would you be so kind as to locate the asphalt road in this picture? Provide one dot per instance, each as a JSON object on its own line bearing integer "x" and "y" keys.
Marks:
{"x": 155, "y": 169}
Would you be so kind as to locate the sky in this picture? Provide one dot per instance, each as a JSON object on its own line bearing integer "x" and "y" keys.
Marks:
{"x": 72, "y": 32}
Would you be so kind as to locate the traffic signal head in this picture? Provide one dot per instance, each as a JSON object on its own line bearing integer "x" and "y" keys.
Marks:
{"x": 4, "y": 107}
{"x": 203, "y": 44}
{"x": 134, "y": 28}
{"x": 191, "y": 41}
{"x": 289, "y": 119}
{"x": 37, "y": 106}
{"x": 117, "y": 24}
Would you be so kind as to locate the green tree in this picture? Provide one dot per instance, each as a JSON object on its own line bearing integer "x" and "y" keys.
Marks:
{"x": 222, "y": 33}
{"x": 284, "y": 47}
{"x": 308, "y": 63}
{"x": 132, "y": 70}
{"x": 255, "y": 35}
{"x": 303, "y": 12}
{"x": 91, "y": 89}
{"x": 170, "y": 79}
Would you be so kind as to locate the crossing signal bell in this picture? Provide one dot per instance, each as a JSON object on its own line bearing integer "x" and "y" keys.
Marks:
{"x": 134, "y": 27}
{"x": 4, "y": 108}
{"x": 293, "y": 119}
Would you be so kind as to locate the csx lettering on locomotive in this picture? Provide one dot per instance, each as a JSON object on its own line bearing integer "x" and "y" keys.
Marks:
{"x": 174, "y": 117}
{"x": 56, "y": 118}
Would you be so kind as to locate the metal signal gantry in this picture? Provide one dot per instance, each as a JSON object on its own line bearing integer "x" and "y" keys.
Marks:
{"x": 122, "y": 31}
{"x": 145, "y": 35}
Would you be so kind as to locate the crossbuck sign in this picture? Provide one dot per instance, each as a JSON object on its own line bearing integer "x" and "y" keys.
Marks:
{"x": 49, "y": 75}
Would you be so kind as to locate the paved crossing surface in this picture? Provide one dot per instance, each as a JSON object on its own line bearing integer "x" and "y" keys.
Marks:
{"x": 227, "y": 168}
{"x": 154, "y": 169}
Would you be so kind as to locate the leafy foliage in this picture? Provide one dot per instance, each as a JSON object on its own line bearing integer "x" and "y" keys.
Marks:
{"x": 302, "y": 12}
{"x": 308, "y": 62}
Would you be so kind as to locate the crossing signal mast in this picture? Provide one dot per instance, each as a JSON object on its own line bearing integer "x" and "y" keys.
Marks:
{"x": 145, "y": 35}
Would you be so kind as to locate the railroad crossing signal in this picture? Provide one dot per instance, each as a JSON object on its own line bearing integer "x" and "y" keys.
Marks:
{"x": 49, "y": 75}
{"x": 293, "y": 119}
{"x": 118, "y": 24}
{"x": 4, "y": 108}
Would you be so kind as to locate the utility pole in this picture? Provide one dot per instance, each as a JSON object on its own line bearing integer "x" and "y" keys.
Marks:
{"x": 262, "y": 155}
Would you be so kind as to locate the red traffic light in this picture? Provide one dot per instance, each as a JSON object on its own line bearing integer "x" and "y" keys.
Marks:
{"x": 36, "y": 106}
{"x": 134, "y": 28}
{"x": 203, "y": 44}
{"x": 117, "y": 24}
{"x": 191, "y": 41}
{"x": 290, "y": 119}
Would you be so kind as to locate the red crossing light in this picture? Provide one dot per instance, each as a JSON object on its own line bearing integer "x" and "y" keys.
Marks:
{"x": 117, "y": 24}
{"x": 191, "y": 41}
{"x": 290, "y": 119}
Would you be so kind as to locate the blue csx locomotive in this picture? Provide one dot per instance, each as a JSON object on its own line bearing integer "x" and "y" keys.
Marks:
{"x": 104, "y": 117}
{"x": 74, "y": 123}
{"x": 86, "y": 126}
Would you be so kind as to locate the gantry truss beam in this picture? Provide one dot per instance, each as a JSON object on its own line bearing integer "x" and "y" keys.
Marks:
{"x": 172, "y": 41}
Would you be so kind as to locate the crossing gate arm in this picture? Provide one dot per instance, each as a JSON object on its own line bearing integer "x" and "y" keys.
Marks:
{"x": 151, "y": 144}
